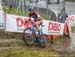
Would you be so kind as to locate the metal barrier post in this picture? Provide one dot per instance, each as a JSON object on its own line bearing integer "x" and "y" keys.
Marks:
{"x": 51, "y": 39}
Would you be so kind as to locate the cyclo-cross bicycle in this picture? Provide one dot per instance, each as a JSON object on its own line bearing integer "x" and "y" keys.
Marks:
{"x": 31, "y": 36}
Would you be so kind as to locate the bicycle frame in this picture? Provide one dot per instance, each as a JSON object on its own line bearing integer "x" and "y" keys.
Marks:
{"x": 33, "y": 29}
{"x": 39, "y": 37}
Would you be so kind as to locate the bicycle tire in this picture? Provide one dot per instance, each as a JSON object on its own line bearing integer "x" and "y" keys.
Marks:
{"x": 46, "y": 42}
{"x": 28, "y": 37}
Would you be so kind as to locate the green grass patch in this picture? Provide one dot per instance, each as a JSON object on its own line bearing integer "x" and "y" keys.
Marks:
{"x": 14, "y": 11}
{"x": 28, "y": 53}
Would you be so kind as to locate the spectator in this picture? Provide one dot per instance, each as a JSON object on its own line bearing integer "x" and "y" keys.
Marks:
{"x": 64, "y": 17}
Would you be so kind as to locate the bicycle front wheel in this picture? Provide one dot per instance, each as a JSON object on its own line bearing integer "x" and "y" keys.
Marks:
{"x": 28, "y": 36}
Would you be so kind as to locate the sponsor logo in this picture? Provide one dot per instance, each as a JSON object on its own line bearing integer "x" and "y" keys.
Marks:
{"x": 54, "y": 26}
{"x": 70, "y": 19}
{"x": 23, "y": 23}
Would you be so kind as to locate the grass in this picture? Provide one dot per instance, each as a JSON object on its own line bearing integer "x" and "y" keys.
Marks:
{"x": 14, "y": 11}
{"x": 28, "y": 53}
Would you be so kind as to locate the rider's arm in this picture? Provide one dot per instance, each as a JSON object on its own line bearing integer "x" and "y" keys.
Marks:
{"x": 40, "y": 19}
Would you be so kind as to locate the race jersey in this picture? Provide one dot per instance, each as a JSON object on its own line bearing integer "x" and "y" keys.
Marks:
{"x": 35, "y": 15}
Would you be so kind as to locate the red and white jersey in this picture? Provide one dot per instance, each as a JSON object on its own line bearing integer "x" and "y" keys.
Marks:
{"x": 35, "y": 15}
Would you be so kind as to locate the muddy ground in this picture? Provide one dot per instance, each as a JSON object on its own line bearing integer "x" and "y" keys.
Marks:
{"x": 14, "y": 41}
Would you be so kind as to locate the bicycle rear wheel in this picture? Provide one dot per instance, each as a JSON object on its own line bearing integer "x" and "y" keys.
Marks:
{"x": 28, "y": 36}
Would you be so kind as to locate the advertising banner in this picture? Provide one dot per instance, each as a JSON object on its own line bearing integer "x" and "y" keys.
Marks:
{"x": 1, "y": 18}
{"x": 70, "y": 19}
{"x": 16, "y": 23}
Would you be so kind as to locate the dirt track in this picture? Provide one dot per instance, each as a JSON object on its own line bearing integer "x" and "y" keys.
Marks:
{"x": 12, "y": 40}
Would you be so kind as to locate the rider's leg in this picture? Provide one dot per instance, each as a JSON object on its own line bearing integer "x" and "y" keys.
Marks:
{"x": 37, "y": 29}
{"x": 37, "y": 26}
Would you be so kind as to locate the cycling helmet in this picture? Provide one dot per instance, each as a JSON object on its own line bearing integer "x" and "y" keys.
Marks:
{"x": 32, "y": 8}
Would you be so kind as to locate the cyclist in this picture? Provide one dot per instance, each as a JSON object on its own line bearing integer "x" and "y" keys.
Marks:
{"x": 33, "y": 13}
